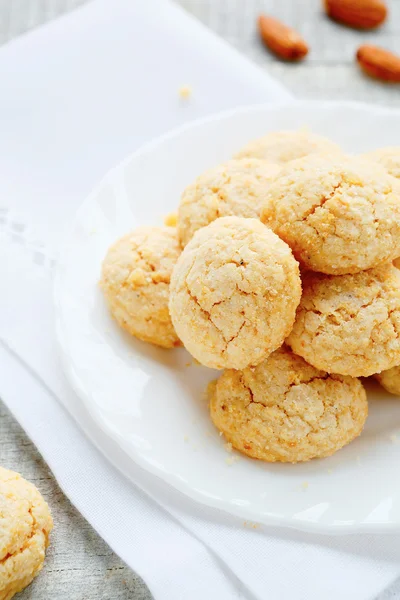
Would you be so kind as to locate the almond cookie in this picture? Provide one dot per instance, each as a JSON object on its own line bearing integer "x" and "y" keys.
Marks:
{"x": 25, "y": 525}
{"x": 339, "y": 215}
{"x": 234, "y": 293}
{"x": 349, "y": 324}
{"x": 286, "y": 410}
{"x": 282, "y": 146}
{"x": 235, "y": 188}
{"x": 390, "y": 380}
{"x": 387, "y": 157}
{"x": 135, "y": 279}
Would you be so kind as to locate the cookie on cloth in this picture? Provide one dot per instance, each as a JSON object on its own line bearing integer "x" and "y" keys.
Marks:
{"x": 25, "y": 525}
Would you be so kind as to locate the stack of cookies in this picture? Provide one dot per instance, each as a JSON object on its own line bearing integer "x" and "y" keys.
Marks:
{"x": 280, "y": 272}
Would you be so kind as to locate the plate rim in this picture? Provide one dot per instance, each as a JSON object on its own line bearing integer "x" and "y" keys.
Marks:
{"x": 268, "y": 518}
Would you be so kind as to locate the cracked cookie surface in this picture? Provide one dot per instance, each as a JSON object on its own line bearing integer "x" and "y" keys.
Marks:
{"x": 282, "y": 146}
{"x": 286, "y": 410}
{"x": 390, "y": 380}
{"x": 234, "y": 293}
{"x": 237, "y": 187}
{"x": 339, "y": 215}
{"x": 25, "y": 525}
{"x": 135, "y": 279}
{"x": 388, "y": 157}
{"x": 349, "y": 324}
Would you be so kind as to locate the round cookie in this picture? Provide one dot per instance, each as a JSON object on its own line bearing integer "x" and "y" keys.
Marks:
{"x": 390, "y": 380}
{"x": 286, "y": 410}
{"x": 237, "y": 187}
{"x": 349, "y": 324}
{"x": 282, "y": 146}
{"x": 135, "y": 279}
{"x": 25, "y": 525}
{"x": 234, "y": 293}
{"x": 339, "y": 215}
{"x": 387, "y": 157}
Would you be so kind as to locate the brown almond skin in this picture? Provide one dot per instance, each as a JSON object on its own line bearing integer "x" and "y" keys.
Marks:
{"x": 280, "y": 39}
{"x": 360, "y": 14}
{"x": 379, "y": 63}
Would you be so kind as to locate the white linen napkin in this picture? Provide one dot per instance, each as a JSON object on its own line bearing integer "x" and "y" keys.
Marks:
{"x": 77, "y": 96}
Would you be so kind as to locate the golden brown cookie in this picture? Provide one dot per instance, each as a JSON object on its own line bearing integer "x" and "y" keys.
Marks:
{"x": 349, "y": 324}
{"x": 25, "y": 525}
{"x": 339, "y": 215}
{"x": 282, "y": 146}
{"x": 286, "y": 410}
{"x": 235, "y": 188}
{"x": 387, "y": 157}
{"x": 234, "y": 293}
{"x": 135, "y": 279}
{"x": 390, "y": 380}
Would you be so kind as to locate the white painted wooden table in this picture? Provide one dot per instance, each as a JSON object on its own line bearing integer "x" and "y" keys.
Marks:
{"x": 80, "y": 566}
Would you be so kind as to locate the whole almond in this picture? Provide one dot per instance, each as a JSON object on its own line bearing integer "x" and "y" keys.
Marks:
{"x": 361, "y": 14}
{"x": 379, "y": 63}
{"x": 280, "y": 39}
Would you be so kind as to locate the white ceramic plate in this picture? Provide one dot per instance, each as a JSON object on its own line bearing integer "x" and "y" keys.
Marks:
{"x": 152, "y": 401}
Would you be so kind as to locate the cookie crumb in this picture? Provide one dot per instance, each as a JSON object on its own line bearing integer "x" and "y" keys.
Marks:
{"x": 186, "y": 438}
{"x": 251, "y": 524}
{"x": 171, "y": 219}
{"x": 228, "y": 447}
{"x": 185, "y": 91}
{"x": 394, "y": 439}
{"x": 304, "y": 485}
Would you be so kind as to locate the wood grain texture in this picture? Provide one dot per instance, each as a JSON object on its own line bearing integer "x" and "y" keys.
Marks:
{"x": 80, "y": 566}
